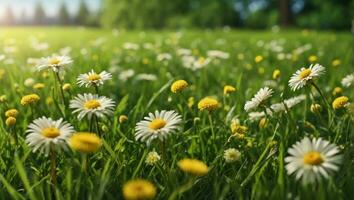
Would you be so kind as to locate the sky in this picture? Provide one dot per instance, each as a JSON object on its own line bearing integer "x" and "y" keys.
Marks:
{"x": 51, "y": 7}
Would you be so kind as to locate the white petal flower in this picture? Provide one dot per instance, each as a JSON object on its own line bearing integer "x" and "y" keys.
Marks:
{"x": 92, "y": 104}
{"x": 279, "y": 107}
{"x": 310, "y": 160}
{"x": 262, "y": 95}
{"x": 56, "y": 63}
{"x": 93, "y": 79}
{"x": 157, "y": 125}
{"x": 231, "y": 155}
{"x": 302, "y": 76}
{"x": 152, "y": 158}
{"x": 348, "y": 80}
{"x": 45, "y": 132}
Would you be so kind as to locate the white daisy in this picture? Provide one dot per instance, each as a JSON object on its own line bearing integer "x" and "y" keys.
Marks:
{"x": 56, "y": 63}
{"x": 312, "y": 160}
{"x": 231, "y": 155}
{"x": 254, "y": 116}
{"x": 218, "y": 54}
{"x": 262, "y": 95}
{"x": 302, "y": 76}
{"x": 45, "y": 132}
{"x": 348, "y": 80}
{"x": 159, "y": 125}
{"x": 279, "y": 107}
{"x": 93, "y": 79}
{"x": 92, "y": 104}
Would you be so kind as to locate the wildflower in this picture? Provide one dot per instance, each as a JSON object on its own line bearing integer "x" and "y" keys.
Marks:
{"x": 92, "y": 104}
{"x": 312, "y": 160}
{"x": 85, "y": 142}
{"x": 229, "y": 89}
{"x": 348, "y": 80}
{"x": 263, "y": 123}
{"x": 178, "y": 86}
{"x": 259, "y": 98}
{"x": 312, "y": 58}
{"x": 93, "y": 79}
{"x": 29, "y": 82}
{"x": 231, "y": 155}
{"x": 152, "y": 158}
{"x": 218, "y": 54}
{"x": 190, "y": 102}
{"x": 258, "y": 59}
{"x": 159, "y": 125}
{"x": 67, "y": 87}
{"x": 45, "y": 132}
{"x": 208, "y": 103}
{"x": 336, "y": 62}
{"x": 10, "y": 121}
{"x": 193, "y": 167}
{"x": 276, "y": 74}
{"x": 146, "y": 77}
{"x": 56, "y": 63}
{"x": 122, "y": 118}
{"x": 337, "y": 91}
{"x": 316, "y": 108}
{"x": 304, "y": 75}
{"x": 30, "y": 99}
{"x": 3, "y": 98}
{"x": 49, "y": 101}
{"x": 289, "y": 103}
{"x": 38, "y": 86}
{"x": 340, "y": 102}
{"x": 139, "y": 189}
{"x": 11, "y": 113}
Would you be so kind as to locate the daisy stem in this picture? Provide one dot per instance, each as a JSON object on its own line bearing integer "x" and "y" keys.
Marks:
{"x": 53, "y": 174}
{"x": 321, "y": 94}
{"x": 96, "y": 88}
{"x": 98, "y": 126}
{"x": 60, "y": 87}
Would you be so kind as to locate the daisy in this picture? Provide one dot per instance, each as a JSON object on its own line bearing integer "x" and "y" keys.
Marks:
{"x": 302, "y": 76}
{"x": 262, "y": 95}
{"x": 348, "y": 80}
{"x": 45, "y": 132}
{"x": 312, "y": 160}
{"x": 159, "y": 125}
{"x": 92, "y": 104}
{"x": 93, "y": 79}
{"x": 278, "y": 107}
{"x": 56, "y": 63}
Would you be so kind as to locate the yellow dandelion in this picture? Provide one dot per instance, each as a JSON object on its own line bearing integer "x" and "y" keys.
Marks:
{"x": 178, "y": 86}
{"x": 38, "y": 86}
{"x": 193, "y": 167}
{"x": 190, "y": 102}
{"x": 10, "y": 121}
{"x": 67, "y": 87}
{"x": 208, "y": 103}
{"x": 315, "y": 108}
{"x": 312, "y": 58}
{"x": 139, "y": 189}
{"x": 276, "y": 74}
{"x": 258, "y": 59}
{"x": 229, "y": 89}
{"x": 336, "y": 63}
{"x": 85, "y": 142}
{"x": 30, "y": 99}
{"x": 337, "y": 91}
{"x": 340, "y": 102}
{"x": 123, "y": 118}
{"x": 263, "y": 123}
{"x": 11, "y": 113}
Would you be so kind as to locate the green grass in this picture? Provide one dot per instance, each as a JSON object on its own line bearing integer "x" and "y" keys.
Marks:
{"x": 260, "y": 173}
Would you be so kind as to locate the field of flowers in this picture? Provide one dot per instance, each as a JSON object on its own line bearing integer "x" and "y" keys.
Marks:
{"x": 109, "y": 114}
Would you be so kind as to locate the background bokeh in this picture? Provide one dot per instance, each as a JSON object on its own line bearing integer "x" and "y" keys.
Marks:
{"x": 157, "y": 14}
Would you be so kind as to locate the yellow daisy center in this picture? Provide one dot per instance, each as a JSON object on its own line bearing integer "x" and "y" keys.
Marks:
{"x": 51, "y": 132}
{"x": 94, "y": 77}
{"x": 54, "y": 61}
{"x": 157, "y": 124}
{"x": 92, "y": 104}
{"x": 313, "y": 158}
{"x": 305, "y": 73}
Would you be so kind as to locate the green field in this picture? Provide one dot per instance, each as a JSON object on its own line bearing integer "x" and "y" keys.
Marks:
{"x": 143, "y": 67}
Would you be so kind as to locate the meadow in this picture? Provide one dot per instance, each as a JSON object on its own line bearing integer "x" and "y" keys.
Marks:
{"x": 241, "y": 153}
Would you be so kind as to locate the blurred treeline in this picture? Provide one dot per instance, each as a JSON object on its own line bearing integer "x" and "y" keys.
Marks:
{"x": 317, "y": 14}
